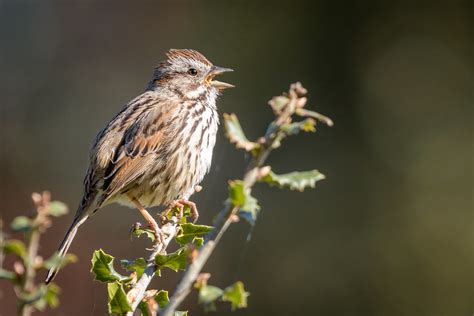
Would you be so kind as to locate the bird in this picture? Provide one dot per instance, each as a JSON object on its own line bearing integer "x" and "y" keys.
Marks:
{"x": 157, "y": 149}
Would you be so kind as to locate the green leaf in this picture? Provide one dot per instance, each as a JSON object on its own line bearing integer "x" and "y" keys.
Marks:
{"x": 162, "y": 298}
{"x": 208, "y": 294}
{"x": 198, "y": 241}
{"x": 298, "y": 180}
{"x": 235, "y": 133}
{"x": 118, "y": 303}
{"x": 103, "y": 267}
{"x": 21, "y": 224}
{"x": 236, "y": 193}
{"x": 307, "y": 125}
{"x": 143, "y": 307}
{"x": 175, "y": 261}
{"x": 137, "y": 266}
{"x": 238, "y": 196}
{"x": 189, "y": 231}
{"x": 51, "y": 296}
{"x": 57, "y": 208}
{"x": 138, "y": 231}
{"x": 57, "y": 260}
{"x": 6, "y": 275}
{"x": 15, "y": 246}
{"x": 236, "y": 295}
{"x": 181, "y": 313}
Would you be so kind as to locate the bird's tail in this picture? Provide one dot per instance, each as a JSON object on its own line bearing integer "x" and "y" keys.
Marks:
{"x": 71, "y": 233}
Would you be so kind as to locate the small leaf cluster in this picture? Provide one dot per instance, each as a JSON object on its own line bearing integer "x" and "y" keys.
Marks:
{"x": 189, "y": 238}
{"x": 210, "y": 295}
{"x": 26, "y": 261}
{"x": 285, "y": 108}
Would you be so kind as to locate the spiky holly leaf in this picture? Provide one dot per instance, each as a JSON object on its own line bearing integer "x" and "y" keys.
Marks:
{"x": 14, "y": 246}
{"x": 236, "y": 295}
{"x": 103, "y": 268}
{"x": 208, "y": 294}
{"x": 137, "y": 265}
{"x": 297, "y": 180}
{"x": 117, "y": 302}
{"x": 190, "y": 231}
{"x": 175, "y": 261}
{"x": 240, "y": 197}
{"x": 235, "y": 133}
{"x": 21, "y": 224}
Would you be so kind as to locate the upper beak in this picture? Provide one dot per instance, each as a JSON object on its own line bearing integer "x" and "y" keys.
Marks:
{"x": 218, "y": 84}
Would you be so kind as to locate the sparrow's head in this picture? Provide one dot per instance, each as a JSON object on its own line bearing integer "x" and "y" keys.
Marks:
{"x": 189, "y": 73}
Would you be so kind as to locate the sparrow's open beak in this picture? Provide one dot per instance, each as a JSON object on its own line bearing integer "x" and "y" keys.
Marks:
{"x": 218, "y": 84}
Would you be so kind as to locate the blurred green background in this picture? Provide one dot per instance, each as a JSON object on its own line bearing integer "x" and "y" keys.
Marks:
{"x": 390, "y": 232}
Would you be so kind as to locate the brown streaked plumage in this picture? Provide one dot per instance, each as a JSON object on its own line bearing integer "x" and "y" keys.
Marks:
{"x": 159, "y": 146}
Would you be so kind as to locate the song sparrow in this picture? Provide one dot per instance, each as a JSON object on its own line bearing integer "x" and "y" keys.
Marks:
{"x": 158, "y": 147}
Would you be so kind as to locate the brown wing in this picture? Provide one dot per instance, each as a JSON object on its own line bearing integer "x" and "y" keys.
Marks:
{"x": 143, "y": 143}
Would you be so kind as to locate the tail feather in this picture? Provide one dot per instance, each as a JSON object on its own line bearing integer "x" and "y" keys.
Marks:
{"x": 63, "y": 248}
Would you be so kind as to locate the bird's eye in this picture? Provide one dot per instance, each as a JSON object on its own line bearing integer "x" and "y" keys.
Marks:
{"x": 192, "y": 71}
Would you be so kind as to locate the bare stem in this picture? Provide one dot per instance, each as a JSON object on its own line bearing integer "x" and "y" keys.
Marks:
{"x": 33, "y": 238}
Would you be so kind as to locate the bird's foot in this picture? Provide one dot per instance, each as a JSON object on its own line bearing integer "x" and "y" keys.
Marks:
{"x": 180, "y": 204}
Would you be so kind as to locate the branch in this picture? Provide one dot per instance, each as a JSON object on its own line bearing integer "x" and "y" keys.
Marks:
{"x": 137, "y": 293}
{"x": 254, "y": 172}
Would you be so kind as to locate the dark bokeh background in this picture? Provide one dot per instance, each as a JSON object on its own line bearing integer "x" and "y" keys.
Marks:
{"x": 390, "y": 232}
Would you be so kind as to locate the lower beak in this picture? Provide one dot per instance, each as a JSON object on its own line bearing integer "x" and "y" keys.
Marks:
{"x": 218, "y": 84}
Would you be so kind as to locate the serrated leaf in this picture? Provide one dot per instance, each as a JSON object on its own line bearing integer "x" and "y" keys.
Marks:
{"x": 189, "y": 231}
{"x": 117, "y": 302}
{"x": 57, "y": 208}
{"x": 6, "y": 275}
{"x": 175, "y": 261}
{"x": 236, "y": 295}
{"x": 14, "y": 246}
{"x": 21, "y": 223}
{"x": 137, "y": 265}
{"x": 103, "y": 268}
{"x": 248, "y": 206}
{"x": 235, "y": 133}
{"x": 208, "y": 294}
{"x": 297, "y": 180}
{"x": 162, "y": 298}
{"x": 57, "y": 260}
